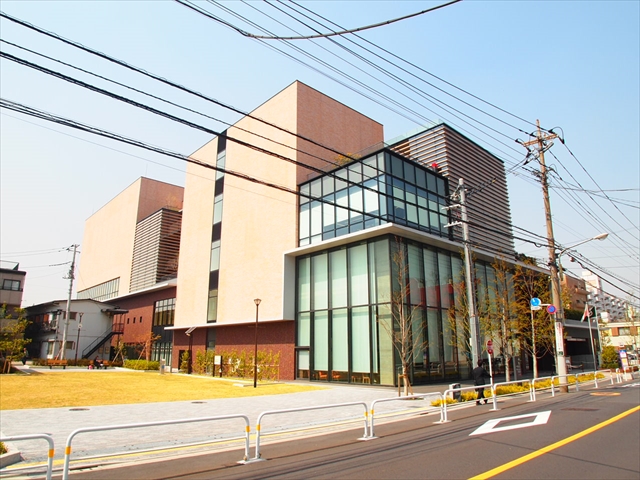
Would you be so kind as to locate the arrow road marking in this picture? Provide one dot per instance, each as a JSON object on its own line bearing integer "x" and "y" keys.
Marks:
{"x": 491, "y": 426}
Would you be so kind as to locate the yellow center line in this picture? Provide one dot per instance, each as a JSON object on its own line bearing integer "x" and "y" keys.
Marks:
{"x": 549, "y": 448}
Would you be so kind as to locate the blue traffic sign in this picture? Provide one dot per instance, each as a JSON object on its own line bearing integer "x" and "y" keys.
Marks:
{"x": 535, "y": 302}
{"x": 551, "y": 309}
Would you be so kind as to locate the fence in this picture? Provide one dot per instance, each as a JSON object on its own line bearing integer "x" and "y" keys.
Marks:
{"x": 304, "y": 409}
{"x": 36, "y": 436}
{"x": 395, "y": 399}
{"x": 67, "y": 450}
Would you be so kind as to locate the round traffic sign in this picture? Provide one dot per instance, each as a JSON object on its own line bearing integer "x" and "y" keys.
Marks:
{"x": 489, "y": 343}
{"x": 490, "y": 351}
{"x": 551, "y": 309}
{"x": 535, "y": 302}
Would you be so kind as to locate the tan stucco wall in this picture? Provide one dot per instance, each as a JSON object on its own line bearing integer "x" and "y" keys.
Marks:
{"x": 107, "y": 245}
{"x": 259, "y": 223}
{"x": 195, "y": 240}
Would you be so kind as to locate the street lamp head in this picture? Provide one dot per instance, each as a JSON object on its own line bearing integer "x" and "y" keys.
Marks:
{"x": 257, "y": 301}
{"x": 601, "y": 236}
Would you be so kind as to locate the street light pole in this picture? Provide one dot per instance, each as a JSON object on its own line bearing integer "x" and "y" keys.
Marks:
{"x": 557, "y": 301}
{"x": 78, "y": 338}
{"x": 255, "y": 352}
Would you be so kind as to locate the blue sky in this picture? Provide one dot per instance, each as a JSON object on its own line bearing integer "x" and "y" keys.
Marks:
{"x": 570, "y": 64}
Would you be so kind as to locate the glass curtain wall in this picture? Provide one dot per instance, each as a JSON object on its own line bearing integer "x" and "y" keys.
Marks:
{"x": 346, "y": 313}
{"x": 381, "y": 188}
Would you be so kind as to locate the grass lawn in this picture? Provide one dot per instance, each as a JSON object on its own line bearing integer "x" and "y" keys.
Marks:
{"x": 88, "y": 388}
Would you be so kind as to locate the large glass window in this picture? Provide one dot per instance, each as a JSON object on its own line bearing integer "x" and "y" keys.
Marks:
{"x": 320, "y": 282}
{"x": 338, "y": 269}
{"x": 358, "y": 274}
{"x": 348, "y": 331}
{"x": 360, "y": 343}
{"x": 401, "y": 191}
{"x": 164, "y": 312}
{"x": 304, "y": 284}
{"x": 321, "y": 343}
{"x": 339, "y": 345}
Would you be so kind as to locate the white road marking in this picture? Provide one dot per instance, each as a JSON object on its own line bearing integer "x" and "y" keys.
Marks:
{"x": 491, "y": 426}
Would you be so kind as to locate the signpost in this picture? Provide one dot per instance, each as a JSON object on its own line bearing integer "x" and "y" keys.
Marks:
{"x": 490, "y": 352}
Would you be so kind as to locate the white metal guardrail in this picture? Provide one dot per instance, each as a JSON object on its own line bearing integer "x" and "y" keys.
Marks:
{"x": 44, "y": 436}
{"x": 304, "y": 409}
{"x": 495, "y": 386}
{"x": 395, "y": 399}
{"x": 443, "y": 405}
{"x": 67, "y": 450}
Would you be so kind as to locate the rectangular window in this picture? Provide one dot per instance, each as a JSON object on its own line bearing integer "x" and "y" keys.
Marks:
{"x": 358, "y": 271}
{"x": 316, "y": 188}
{"x": 212, "y": 309}
{"x": 339, "y": 341}
{"x": 304, "y": 220}
{"x": 217, "y": 209}
{"x": 338, "y": 269}
{"x": 328, "y": 218}
{"x": 11, "y": 285}
{"x": 316, "y": 218}
{"x": 304, "y": 330}
{"x": 327, "y": 186}
{"x": 215, "y": 256}
{"x": 320, "y": 282}
{"x": 360, "y": 344}
{"x": 304, "y": 285}
{"x": 321, "y": 341}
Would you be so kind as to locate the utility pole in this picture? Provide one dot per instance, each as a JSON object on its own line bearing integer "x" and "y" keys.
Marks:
{"x": 541, "y": 145}
{"x": 474, "y": 329}
{"x": 67, "y": 315}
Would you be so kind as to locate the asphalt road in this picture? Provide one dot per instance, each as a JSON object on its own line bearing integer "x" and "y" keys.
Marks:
{"x": 579, "y": 433}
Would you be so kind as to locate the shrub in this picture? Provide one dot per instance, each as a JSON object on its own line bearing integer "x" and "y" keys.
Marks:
{"x": 184, "y": 362}
{"x": 203, "y": 363}
{"x": 142, "y": 365}
{"x": 448, "y": 400}
{"x": 610, "y": 357}
{"x": 3, "y": 448}
{"x": 510, "y": 389}
{"x": 468, "y": 396}
{"x": 240, "y": 364}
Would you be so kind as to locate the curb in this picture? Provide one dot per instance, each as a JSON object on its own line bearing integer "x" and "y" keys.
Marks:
{"x": 10, "y": 458}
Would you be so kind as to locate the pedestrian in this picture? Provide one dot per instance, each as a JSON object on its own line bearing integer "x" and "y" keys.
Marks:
{"x": 97, "y": 363}
{"x": 25, "y": 355}
{"x": 479, "y": 374}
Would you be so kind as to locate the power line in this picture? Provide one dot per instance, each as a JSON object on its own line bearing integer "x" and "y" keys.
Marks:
{"x": 166, "y": 82}
{"x": 325, "y": 64}
{"x": 593, "y": 180}
{"x": 397, "y": 57}
{"x": 359, "y": 29}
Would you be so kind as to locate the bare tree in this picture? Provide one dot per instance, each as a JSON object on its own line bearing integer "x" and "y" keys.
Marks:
{"x": 406, "y": 328}
{"x": 144, "y": 343}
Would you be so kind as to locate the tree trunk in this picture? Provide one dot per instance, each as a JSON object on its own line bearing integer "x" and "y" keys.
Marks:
{"x": 405, "y": 380}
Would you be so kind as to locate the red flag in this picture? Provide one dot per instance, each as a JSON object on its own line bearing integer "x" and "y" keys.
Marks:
{"x": 586, "y": 313}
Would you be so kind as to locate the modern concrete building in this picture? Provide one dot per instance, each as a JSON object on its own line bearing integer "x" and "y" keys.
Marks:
{"x": 236, "y": 231}
{"x": 131, "y": 243}
{"x": 302, "y": 206}
{"x": 130, "y": 256}
{"x": 318, "y": 250}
